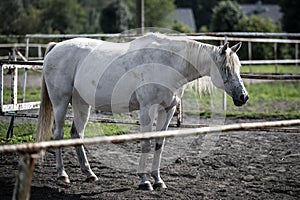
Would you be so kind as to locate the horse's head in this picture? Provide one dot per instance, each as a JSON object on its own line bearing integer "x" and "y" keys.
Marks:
{"x": 226, "y": 74}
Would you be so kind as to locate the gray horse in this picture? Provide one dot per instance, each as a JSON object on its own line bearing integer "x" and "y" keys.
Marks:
{"x": 147, "y": 74}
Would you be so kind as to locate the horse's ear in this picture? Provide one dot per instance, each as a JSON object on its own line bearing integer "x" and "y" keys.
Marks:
{"x": 236, "y": 47}
{"x": 224, "y": 48}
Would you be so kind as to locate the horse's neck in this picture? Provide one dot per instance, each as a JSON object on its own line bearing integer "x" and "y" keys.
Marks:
{"x": 200, "y": 57}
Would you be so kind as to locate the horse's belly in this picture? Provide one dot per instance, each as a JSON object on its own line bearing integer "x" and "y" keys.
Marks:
{"x": 110, "y": 100}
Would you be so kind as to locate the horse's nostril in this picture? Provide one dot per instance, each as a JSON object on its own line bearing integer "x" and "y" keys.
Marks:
{"x": 244, "y": 97}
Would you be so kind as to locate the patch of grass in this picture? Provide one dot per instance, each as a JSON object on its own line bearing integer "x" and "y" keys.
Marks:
{"x": 271, "y": 69}
{"x": 30, "y": 95}
{"x": 23, "y": 131}
{"x": 99, "y": 129}
{"x": 278, "y": 99}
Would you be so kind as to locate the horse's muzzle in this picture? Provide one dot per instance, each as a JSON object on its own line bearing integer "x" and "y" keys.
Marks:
{"x": 243, "y": 98}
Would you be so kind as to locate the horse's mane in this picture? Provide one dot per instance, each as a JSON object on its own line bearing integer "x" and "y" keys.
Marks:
{"x": 159, "y": 37}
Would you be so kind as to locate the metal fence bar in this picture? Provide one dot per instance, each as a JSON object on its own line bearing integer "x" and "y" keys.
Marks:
{"x": 271, "y": 76}
{"x": 261, "y": 62}
{"x": 258, "y": 40}
{"x": 37, "y": 147}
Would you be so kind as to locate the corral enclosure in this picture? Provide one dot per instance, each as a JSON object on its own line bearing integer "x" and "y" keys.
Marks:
{"x": 255, "y": 164}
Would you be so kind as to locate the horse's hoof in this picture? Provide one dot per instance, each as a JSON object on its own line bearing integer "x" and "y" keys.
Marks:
{"x": 159, "y": 186}
{"x": 145, "y": 186}
{"x": 63, "y": 179}
{"x": 91, "y": 179}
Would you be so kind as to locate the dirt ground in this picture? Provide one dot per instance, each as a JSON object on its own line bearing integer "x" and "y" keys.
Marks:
{"x": 262, "y": 164}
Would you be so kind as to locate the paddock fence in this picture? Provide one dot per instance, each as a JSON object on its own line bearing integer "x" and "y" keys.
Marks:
{"x": 31, "y": 151}
{"x": 28, "y": 63}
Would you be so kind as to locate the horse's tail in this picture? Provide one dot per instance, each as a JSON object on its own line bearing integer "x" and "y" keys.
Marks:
{"x": 45, "y": 119}
{"x": 50, "y": 47}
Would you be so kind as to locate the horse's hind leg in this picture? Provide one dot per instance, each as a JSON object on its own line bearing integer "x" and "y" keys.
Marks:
{"x": 81, "y": 113}
{"x": 59, "y": 116}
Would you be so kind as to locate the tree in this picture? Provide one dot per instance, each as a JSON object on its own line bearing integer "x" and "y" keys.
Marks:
{"x": 157, "y": 13}
{"x": 115, "y": 17}
{"x": 291, "y": 18}
{"x": 32, "y": 15}
{"x": 9, "y": 13}
{"x": 256, "y": 23}
{"x": 63, "y": 16}
{"x": 181, "y": 28}
{"x": 226, "y": 15}
{"x": 202, "y": 10}
{"x": 93, "y": 9}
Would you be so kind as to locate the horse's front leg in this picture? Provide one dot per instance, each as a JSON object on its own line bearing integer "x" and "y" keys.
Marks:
{"x": 163, "y": 120}
{"x": 147, "y": 115}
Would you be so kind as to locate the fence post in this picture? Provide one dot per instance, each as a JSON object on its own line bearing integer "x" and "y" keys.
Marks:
{"x": 296, "y": 57}
{"x": 275, "y": 57}
{"x": 24, "y": 178}
{"x": 250, "y": 56}
{"x": 14, "y": 98}
{"x": 27, "y": 48}
{"x": 140, "y": 16}
{"x": 224, "y": 93}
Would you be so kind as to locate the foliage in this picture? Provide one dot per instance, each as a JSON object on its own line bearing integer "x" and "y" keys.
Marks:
{"x": 156, "y": 12}
{"x": 115, "y": 17}
{"x": 291, "y": 16}
{"x": 93, "y": 10}
{"x": 181, "y": 28}
{"x": 9, "y": 12}
{"x": 32, "y": 15}
{"x": 44, "y": 16}
{"x": 63, "y": 17}
{"x": 226, "y": 14}
{"x": 256, "y": 23}
{"x": 202, "y": 10}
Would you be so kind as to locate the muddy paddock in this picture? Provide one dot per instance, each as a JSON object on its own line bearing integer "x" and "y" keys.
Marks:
{"x": 256, "y": 164}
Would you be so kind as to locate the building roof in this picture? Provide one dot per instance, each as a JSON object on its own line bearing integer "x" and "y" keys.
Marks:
{"x": 186, "y": 17}
{"x": 270, "y": 11}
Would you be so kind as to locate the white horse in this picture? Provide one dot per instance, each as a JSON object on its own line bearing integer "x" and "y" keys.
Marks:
{"x": 147, "y": 74}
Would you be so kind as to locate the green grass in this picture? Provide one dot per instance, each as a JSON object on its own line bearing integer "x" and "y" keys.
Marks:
{"x": 271, "y": 99}
{"x": 279, "y": 99}
{"x": 276, "y": 99}
{"x": 271, "y": 69}
{"x": 30, "y": 95}
{"x": 23, "y": 131}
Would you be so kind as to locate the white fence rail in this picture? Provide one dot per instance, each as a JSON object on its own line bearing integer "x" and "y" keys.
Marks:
{"x": 247, "y": 37}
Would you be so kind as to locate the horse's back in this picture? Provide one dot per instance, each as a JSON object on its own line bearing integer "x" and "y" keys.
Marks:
{"x": 106, "y": 73}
